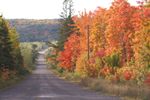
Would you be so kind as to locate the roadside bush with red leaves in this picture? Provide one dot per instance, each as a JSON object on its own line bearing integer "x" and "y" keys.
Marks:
{"x": 106, "y": 71}
{"x": 5, "y": 73}
{"x": 67, "y": 58}
{"x": 147, "y": 81}
{"x": 127, "y": 74}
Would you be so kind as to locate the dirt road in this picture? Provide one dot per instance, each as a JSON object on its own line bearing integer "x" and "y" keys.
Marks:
{"x": 43, "y": 85}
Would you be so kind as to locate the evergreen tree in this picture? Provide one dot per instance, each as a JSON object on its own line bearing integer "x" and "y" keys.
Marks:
{"x": 16, "y": 52}
{"x": 6, "y": 58}
{"x": 67, "y": 22}
{"x": 10, "y": 54}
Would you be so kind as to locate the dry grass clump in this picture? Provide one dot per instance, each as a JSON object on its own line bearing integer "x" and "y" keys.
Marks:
{"x": 123, "y": 90}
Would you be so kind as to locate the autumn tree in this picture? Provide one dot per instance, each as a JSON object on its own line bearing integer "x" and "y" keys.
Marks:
{"x": 141, "y": 38}
{"x": 97, "y": 31}
{"x": 83, "y": 25}
{"x": 68, "y": 57}
{"x": 119, "y": 29}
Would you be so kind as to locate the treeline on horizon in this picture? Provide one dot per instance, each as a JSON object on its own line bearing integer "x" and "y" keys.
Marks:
{"x": 32, "y": 30}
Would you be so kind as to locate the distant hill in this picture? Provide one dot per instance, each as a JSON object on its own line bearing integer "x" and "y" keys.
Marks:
{"x": 36, "y": 30}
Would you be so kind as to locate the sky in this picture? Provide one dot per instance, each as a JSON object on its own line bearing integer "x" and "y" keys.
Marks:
{"x": 46, "y": 9}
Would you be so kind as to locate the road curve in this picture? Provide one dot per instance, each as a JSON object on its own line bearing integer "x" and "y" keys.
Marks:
{"x": 43, "y": 85}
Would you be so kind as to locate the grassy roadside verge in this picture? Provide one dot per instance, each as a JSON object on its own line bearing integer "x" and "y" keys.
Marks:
{"x": 125, "y": 91}
{"x": 12, "y": 81}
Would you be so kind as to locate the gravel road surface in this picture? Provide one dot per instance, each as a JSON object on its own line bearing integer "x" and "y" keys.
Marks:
{"x": 43, "y": 85}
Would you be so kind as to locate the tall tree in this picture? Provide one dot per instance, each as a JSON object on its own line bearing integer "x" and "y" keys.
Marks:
{"x": 6, "y": 58}
{"x": 120, "y": 29}
{"x": 10, "y": 55}
{"x": 16, "y": 53}
{"x": 67, "y": 22}
{"x": 98, "y": 28}
{"x": 141, "y": 38}
{"x": 83, "y": 23}
{"x": 68, "y": 57}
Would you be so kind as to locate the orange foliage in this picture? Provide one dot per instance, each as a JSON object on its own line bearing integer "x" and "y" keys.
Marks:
{"x": 97, "y": 30}
{"x": 147, "y": 81}
{"x": 128, "y": 75}
{"x": 106, "y": 71}
{"x": 122, "y": 29}
{"x": 141, "y": 23}
{"x": 68, "y": 57}
{"x": 82, "y": 22}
